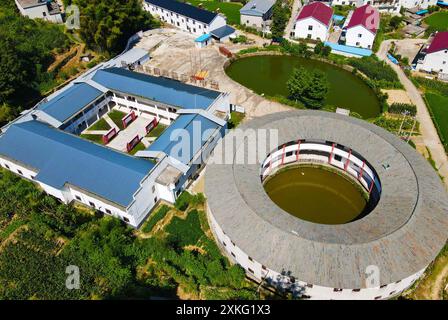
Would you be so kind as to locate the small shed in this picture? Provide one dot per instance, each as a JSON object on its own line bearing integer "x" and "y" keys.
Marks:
{"x": 203, "y": 40}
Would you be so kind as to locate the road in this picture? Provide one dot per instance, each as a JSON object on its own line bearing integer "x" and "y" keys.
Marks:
{"x": 427, "y": 129}
{"x": 295, "y": 10}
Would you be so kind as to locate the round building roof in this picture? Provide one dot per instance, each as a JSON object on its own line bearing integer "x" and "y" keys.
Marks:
{"x": 402, "y": 235}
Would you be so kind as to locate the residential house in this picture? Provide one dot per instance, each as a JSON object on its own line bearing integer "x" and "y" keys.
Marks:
{"x": 313, "y": 22}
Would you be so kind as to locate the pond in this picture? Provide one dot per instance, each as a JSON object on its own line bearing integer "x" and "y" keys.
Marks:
{"x": 268, "y": 75}
{"x": 316, "y": 194}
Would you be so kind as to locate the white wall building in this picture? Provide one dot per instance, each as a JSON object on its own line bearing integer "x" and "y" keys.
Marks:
{"x": 423, "y": 4}
{"x": 41, "y": 9}
{"x": 185, "y": 17}
{"x": 436, "y": 57}
{"x": 313, "y": 22}
{"x": 383, "y": 6}
{"x": 361, "y": 27}
{"x": 257, "y": 14}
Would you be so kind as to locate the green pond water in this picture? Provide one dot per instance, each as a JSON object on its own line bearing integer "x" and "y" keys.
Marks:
{"x": 268, "y": 75}
{"x": 316, "y": 195}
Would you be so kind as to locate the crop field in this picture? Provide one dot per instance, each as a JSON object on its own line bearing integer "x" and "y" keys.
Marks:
{"x": 438, "y": 105}
{"x": 230, "y": 9}
{"x": 438, "y": 21}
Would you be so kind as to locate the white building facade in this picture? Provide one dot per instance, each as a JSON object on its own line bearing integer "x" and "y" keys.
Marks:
{"x": 38, "y": 9}
{"x": 423, "y": 4}
{"x": 313, "y": 22}
{"x": 436, "y": 57}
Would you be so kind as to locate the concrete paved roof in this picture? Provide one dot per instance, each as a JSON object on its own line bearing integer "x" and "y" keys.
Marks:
{"x": 401, "y": 236}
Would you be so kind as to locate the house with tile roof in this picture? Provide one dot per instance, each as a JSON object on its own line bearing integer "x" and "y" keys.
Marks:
{"x": 40, "y": 9}
{"x": 257, "y": 13}
{"x": 361, "y": 27}
{"x": 436, "y": 55}
{"x": 313, "y": 22}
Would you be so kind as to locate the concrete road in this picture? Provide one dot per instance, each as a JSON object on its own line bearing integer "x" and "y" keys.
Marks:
{"x": 294, "y": 12}
{"x": 427, "y": 129}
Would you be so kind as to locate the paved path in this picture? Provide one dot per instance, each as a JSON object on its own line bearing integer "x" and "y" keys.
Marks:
{"x": 427, "y": 129}
{"x": 294, "y": 12}
{"x": 110, "y": 122}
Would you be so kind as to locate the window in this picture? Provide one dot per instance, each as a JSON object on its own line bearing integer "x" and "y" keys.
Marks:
{"x": 263, "y": 267}
{"x": 309, "y": 285}
{"x": 125, "y": 219}
{"x": 233, "y": 255}
{"x": 383, "y": 286}
{"x": 378, "y": 298}
{"x": 337, "y": 290}
{"x": 250, "y": 259}
{"x": 6, "y": 166}
{"x": 356, "y": 290}
{"x": 309, "y": 36}
{"x": 359, "y": 35}
{"x": 225, "y": 244}
{"x": 78, "y": 198}
{"x": 392, "y": 292}
{"x": 310, "y": 28}
{"x": 153, "y": 189}
{"x": 357, "y": 44}
{"x": 44, "y": 14}
{"x": 92, "y": 204}
{"x": 33, "y": 177}
{"x": 250, "y": 270}
{"x": 108, "y": 211}
{"x": 155, "y": 199}
{"x": 19, "y": 171}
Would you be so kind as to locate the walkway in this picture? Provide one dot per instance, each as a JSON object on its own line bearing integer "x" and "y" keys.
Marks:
{"x": 429, "y": 133}
{"x": 294, "y": 12}
{"x": 124, "y": 136}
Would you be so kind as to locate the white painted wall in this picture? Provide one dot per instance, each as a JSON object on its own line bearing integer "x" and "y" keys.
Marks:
{"x": 185, "y": 23}
{"x": 391, "y": 6}
{"x": 424, "y": 4}
{"x": 252, "y": 21}
{"x": 319, "y": 31}
{"x": 344, "y": 2}
{"x": 359, "y": 36}
{"x": 310, "y": 291}
{"x": 435, "y": 62}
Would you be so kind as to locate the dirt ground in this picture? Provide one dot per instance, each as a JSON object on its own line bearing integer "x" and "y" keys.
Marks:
{"x": 409, "y": 47}
{"x": 176, "y": 49}
{"x": 397, "y": 96}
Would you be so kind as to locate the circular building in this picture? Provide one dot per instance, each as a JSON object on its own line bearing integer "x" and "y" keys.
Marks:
{"x": 325, "y": 206}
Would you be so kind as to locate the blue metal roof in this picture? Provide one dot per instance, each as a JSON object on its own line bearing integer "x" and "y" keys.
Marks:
{"x": 203, "y": 38}
{"x": 351, "y": 50}
{"x": 184, "y": 137}
{"x": 168, "y": 91}
{"x": 185, "y": 10}
{"x": 69, "y": 102}
{"x": 223, "y": 32}
{"x": 257, "y": 7}
{"x": 62, "y": 158}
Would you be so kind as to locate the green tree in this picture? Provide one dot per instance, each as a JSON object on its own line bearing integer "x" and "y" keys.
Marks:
{"x": 316, "y": 91}
{"x": 298, "y": 83}
{"x": 106, "y": 25}
{"x": 326, "y": 50}
{"x": 318, "y": 47}
{"x": 280, "y": 16}
{"x": 395, "y": 22}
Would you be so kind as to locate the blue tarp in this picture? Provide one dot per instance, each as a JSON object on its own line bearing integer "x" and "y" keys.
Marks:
{"x": 338, "y": 18}
{"x": 61, "y": 158}
{"x": 361, "y": 52}
{"x": 392, "y": 58}
{"x": 168, "y": 91}
{"x": 422, "y": 12}
{"x": 442, "y": 3}
{"x": 203, "y": 38}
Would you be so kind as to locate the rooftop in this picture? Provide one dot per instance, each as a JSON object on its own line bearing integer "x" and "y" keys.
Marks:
{"x": 366, "y": 16}
{"x": 318, "y": 11}
{"x": 257, "y": 7}
{"x": 402, "y": 235}
{"x": 185, "y": 9}
{"x": 31, "y": 3}
{"x": 61, "y": 158}
{"x": 164, "y": 90}
{"x": 440, "y": 42}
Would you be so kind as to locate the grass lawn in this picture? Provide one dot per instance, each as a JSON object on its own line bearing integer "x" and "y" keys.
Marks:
{"x": 139, "y": 147}
{"x": 438, "y": 106}
{"x": 230, "y": 9}
{"x": 116, "y": 117}
{"x": 157, "y": 131}
{"x": 98, "y": 138}
{"x": 235, "y": 119}
{"x": 438, "y": 21}
{"x": 100, "y": 125}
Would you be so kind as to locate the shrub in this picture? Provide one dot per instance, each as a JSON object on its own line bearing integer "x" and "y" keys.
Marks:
{"x": 399, "y": 108}
{"x": 378, "y": 71}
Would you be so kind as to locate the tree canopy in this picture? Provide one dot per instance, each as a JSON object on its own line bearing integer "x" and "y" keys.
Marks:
{"x": 106, "y": 25}
{"x": 310, "y": 88}
{"x": 280, "y": 17}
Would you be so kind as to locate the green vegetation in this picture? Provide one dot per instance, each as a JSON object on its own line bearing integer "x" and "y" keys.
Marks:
{"x": 106, "y": 25}
{"x": 435, "y": 94}
{"x": 389, "y": 29}
{"x": 437, "y": 22}
{"x": 28, "y": 48}
{"x": 280, "y": 16}
{"x": 98, "y": 138}
{"x": 186, "y": 199}
{"x": 100, "y": 125}
{"x": 116, "y": 116}
{"x": 393, "y": 124}
{"x": 438, "y": 106}
{"x": 310, "y": 88}
{"x": 40, "y": 237}
{"x": 235, "y": 119}
{"x": 322, "y": 50}
{"x": 230, "y": 9}
{"x": 400, "y": 108}
{"x": 380, "y": 73}
{"x": 157, "y": 131}
{"x": 342, "y": 10}
{"x": 154, "y": 218}
{"x": 139, "y": 147}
